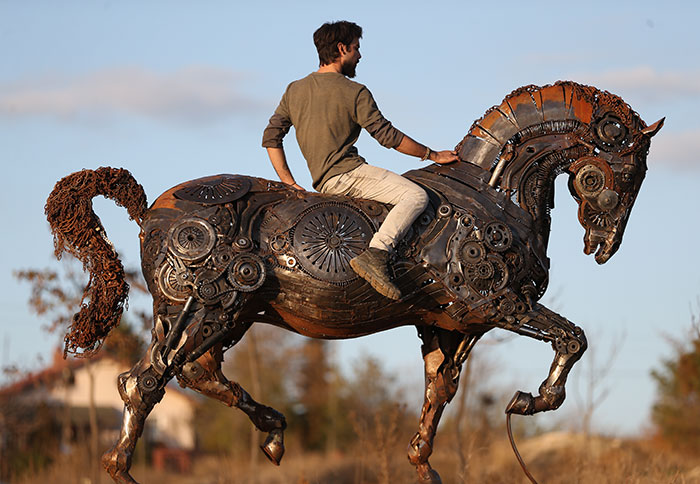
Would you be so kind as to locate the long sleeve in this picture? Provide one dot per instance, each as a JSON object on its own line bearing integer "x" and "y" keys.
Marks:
{"x": 278, "y": 126}
{"x": 372, "y": 120}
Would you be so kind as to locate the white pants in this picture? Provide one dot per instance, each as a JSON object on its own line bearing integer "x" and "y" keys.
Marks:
{"x": 383, "y": 186}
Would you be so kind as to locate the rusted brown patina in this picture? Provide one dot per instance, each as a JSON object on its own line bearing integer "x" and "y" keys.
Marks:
{"x": 221, "y": 253}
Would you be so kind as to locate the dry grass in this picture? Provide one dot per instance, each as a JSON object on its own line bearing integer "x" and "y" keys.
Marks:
{"x": 552, "y": 458}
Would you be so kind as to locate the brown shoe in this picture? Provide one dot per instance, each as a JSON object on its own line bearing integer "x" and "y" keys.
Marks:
{"x": 371, "y": 265}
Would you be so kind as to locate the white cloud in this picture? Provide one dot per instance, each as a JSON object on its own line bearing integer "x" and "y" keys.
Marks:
{"x": 646, "y": 82}
{"x": 681, "y": 149}
{"x": 189, "y": 94}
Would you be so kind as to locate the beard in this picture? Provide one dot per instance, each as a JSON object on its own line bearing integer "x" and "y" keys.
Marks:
{"x": 348, "y": 69}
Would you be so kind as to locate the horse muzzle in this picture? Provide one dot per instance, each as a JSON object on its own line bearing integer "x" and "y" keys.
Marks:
{"x": 603, "y": 244}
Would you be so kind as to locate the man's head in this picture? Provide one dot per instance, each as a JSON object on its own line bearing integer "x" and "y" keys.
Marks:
{"x": 339, "y": 41}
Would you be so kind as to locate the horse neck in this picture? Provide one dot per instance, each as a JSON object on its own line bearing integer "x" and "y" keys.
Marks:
{"x": 530, "y": 138}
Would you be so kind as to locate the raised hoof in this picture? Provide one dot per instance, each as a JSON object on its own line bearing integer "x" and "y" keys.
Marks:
{"x": 430, "y": 477}
{"x": 274, "y": 446}
{"x": 521, "y": 404}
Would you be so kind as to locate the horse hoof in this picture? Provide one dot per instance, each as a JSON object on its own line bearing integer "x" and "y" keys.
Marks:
{"x": 430, "y": 477}
{"x": 274, "y": 446}
{"x": 110, "y": 461}
{"x": 521, "y": 404}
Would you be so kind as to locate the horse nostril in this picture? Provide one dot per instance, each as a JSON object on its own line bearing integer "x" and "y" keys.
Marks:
{"x": 608, "y": 199}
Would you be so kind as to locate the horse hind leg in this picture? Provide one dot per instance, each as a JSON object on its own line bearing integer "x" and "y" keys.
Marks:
{"x": 205, "y": 376}
{"x": 141, "y": 389}
{"x": 444, "y": 352}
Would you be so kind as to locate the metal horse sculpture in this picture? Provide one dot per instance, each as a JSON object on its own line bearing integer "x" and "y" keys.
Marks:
{"x": 223, "y": 252}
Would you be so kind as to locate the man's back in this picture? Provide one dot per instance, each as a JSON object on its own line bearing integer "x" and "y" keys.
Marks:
{"x": 328, "y": 111}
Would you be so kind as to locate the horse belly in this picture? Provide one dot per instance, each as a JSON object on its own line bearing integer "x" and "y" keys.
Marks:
{"x": 320, "y": 310}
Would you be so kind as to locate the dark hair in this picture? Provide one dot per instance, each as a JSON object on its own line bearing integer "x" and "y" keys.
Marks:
{"x": 328, "y": 35}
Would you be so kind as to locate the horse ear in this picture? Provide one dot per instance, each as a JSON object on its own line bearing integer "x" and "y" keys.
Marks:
{"x": 654, "y": 128}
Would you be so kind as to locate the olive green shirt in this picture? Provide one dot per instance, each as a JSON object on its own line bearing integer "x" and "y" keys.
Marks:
{"x": 328, "y": 111}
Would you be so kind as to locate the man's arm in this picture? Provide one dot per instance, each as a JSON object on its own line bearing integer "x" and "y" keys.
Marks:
{"x": 410, "y": 147}
{"x": 279, "y": 162}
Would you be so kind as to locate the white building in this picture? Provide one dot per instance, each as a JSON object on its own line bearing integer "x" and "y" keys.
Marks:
{"x": 67, "y": 384}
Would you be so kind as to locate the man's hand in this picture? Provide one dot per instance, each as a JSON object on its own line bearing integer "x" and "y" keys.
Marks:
{"x": 443, "y": 157}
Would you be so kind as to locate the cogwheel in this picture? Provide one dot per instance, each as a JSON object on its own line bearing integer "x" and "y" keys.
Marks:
{"x": 247, "y": 272}
{"x": 484, "y": 270}
{"x": 501, "y": 274}
{"x": 471, "y": 252}
{"x": 222, "y": 257}
{"x": 498, "y": 236}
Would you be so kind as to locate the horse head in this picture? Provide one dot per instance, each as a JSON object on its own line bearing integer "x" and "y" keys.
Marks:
{"x": 606, "y": 182}
{"x": 537, "y": 133}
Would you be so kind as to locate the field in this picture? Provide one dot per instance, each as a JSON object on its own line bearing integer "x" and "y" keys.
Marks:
{"x": 552, "y": 458}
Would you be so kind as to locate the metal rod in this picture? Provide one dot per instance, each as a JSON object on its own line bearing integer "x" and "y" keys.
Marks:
{"x": 515, "y": 449}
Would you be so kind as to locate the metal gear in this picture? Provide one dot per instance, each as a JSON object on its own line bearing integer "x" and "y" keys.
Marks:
{"x": 247, "y": 272}
{"x": 501, "y": 274}
{"x": 208, "y": 291}
{"x": 192, "y": 239}
{"x": 173, "y": 284}
{"x": 498, "y": 236}
{"x": 147, "y": 382}
{"x": 222, "y": 257}
{"x": 471, "y": 252}
{"x": 590, "y": 180}
{"x": 484, "y": 270}
{"x": 278, "y": 242}
{"x": 610, "y": 133}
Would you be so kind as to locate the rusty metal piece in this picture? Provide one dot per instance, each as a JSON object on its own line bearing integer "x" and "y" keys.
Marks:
{"x": 247, "y": 272}
{"x": 214, "y": 190}
{"x": 192, "y": 239}
{"x": 474, "y": 260}
{"x": 326, "y": 237}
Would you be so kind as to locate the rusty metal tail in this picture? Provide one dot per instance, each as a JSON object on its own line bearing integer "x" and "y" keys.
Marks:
{"x": 77, "y": 230}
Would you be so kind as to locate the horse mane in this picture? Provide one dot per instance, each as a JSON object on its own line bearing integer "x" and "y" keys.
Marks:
{"x": 565, "y": 105}
{"x": 77, "y": 230}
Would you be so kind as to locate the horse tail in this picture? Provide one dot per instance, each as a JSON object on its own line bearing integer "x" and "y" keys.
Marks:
{"x": 77, "y": 230}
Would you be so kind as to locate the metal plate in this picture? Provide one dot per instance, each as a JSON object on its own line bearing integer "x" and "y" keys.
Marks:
{"x": 214, "y": 190}
{"x": 327, "y": 236}
{"x": 192, "y": 239}
{"x": 170, "y": 285}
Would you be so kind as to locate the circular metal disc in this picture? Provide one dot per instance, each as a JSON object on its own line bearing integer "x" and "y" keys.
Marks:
{"x": 192, "y": 239}
{"x": 169, "y": 284}
{"x": 327, "y": 237}
{"x": 247, "y": 272}
{"x": 214, "y": 190}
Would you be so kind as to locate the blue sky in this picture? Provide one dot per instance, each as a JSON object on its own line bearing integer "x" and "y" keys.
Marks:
{"x": 179, "y": 90}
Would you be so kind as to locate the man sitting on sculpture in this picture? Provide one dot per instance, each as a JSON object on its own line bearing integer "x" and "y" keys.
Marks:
{"x": 328, "y": 111}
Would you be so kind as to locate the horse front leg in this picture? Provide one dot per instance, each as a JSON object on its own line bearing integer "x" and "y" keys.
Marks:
{"x": 569, "y": 344}
{"x": 443, "y": 354}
